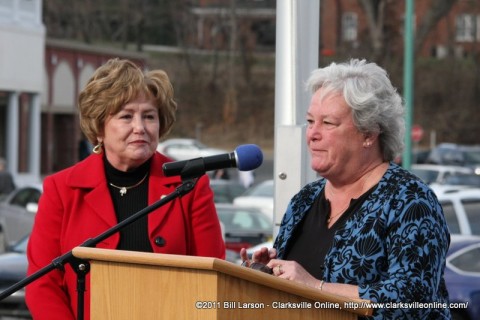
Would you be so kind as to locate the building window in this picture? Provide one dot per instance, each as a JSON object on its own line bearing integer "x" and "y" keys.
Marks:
{"x": 465, "y": 28}
{"x": 349, "y": 26}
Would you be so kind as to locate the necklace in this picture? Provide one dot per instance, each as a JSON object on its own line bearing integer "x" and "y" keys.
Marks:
{"x": 123, "y": 190}
{"x": 331, "y": 217}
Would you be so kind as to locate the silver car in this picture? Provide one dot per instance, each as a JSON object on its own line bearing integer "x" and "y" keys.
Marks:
{"x": 13, "y": 268}
{"x": 17, "y": 213}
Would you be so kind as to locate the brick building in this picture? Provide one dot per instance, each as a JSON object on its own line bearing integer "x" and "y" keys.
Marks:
{"x": 343, "y": 26}
{"x": 215, "y": 20}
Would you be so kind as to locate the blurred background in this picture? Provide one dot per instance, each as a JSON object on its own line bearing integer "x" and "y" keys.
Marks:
{"x": 221, "y": 56}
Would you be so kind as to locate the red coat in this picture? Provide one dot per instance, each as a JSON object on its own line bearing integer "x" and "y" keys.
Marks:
{"x": 76, "y": 205}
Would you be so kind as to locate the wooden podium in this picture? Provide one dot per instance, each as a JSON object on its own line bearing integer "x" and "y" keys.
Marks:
{"x": 137, "y": 285}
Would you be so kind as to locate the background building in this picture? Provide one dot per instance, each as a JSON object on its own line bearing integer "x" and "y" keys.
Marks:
{"x": 40, "y": 80}
{"x": 22, "y": 45}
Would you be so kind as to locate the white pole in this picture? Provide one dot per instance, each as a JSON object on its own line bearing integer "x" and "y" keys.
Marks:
{"x": 296, "y": 56}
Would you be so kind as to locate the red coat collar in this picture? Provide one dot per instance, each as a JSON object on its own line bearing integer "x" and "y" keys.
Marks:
{"x": 94, "y": 166}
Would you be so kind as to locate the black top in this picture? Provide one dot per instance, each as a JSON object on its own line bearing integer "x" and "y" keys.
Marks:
{"x": 311, "y": 240}
{"x": 133, "y": 237}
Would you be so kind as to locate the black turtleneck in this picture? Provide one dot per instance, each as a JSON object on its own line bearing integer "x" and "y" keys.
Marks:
{"x": 133, "y": 237}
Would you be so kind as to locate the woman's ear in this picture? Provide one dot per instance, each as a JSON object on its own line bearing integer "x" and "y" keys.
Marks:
{"x": 369, "y": 139}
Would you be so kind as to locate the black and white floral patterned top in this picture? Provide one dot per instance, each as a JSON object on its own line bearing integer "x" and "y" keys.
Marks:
{"x": 393, "y": 247}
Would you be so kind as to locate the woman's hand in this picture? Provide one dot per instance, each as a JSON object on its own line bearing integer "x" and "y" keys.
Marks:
{"x": 264, "y": 255}
{"x": 291, "y": 270}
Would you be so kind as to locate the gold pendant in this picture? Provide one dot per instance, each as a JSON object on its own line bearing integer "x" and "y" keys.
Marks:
{"x": 123, "y": 191}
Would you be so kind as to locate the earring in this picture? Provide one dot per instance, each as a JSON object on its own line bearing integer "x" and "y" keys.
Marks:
{"x": 366, "y": 144}
{"x": 98, "y": 148}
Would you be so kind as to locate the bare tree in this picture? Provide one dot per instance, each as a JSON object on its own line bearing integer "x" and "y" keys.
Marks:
{"x": 180, "y": 11}
{"x": 378, "y": 15}
{"x": 230, "y": 105}
{"x": 375, "y": 13}
{"x": 439, "y": 9}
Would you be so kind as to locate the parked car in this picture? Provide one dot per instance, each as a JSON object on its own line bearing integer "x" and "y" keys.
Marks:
{"x": 455, "y": 154}
{"x": 259, "y": 196}
{"x": 420, "y": 155}
{"x": 417, "y": 156}
{"x": 461, "y": 207}
{"x": 462, "y": 179}
{"x": 226, "y": 190}
{"x": 13, "y": 268}
{"x": 434, "y": 173}
{"x": 243, "y": 227}
{"x": 185, "y": 149}
{"x": 462, "y": 276}
{"x": 17, "y": 213}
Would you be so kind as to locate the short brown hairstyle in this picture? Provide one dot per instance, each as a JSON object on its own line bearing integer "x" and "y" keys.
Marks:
{"x": 116, "y": 83}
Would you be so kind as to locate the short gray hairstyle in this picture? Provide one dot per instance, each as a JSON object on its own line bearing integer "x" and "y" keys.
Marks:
{"x": 376, "y": 105}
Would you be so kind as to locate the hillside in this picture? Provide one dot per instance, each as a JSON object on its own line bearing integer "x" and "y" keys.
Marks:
{"x": 205, "y": 109}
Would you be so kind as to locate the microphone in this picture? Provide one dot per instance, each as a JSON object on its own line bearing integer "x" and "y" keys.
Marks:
{"x": 245, "y": 157}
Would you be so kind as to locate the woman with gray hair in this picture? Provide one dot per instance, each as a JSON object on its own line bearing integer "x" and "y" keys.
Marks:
{"x": 368, "y": 228}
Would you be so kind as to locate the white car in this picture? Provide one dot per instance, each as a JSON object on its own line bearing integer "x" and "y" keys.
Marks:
{"x": 435, "y": 173}
{"x": 259, "y": 196}
{"x": 185, "y": 149}
{"x": 461, "y": 207}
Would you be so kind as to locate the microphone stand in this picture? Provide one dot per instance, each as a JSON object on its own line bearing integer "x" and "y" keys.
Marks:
{"x": 82, "y": 267}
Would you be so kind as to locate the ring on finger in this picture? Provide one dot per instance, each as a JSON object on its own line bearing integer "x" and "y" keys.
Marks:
{"x": 280, "y": 270}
